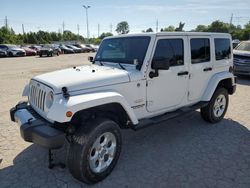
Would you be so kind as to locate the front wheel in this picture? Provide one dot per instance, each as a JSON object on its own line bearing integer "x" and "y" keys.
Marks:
{"x": 94, "y": 151}
{"x": 217, "y": 107}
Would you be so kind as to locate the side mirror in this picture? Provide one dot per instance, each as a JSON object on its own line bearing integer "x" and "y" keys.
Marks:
{"x": 159, "y": 64}
{"x": 91, "y": 59}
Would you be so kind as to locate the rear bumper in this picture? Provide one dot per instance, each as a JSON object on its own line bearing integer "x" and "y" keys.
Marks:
{"x": 35, "y": 129}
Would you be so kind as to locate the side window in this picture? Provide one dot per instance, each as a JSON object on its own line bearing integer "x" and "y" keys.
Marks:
{"x": 222, "y": 48}
{"x": 200, "y": 50}
{"x": 171, "y": 50}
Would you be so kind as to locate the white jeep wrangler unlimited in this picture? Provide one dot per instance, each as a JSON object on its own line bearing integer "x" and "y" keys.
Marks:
{"x": 133, "y": 81}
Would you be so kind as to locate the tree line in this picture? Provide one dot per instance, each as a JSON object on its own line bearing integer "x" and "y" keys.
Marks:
{"x": 8, "y": 36}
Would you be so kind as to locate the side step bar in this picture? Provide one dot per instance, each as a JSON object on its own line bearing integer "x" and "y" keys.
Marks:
{"x": 169, "y": 115}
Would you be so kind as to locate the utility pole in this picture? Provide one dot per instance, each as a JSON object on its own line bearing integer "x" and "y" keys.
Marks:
{"x": 6, "y": 22}
{"x": 78, "y": 28}
{"x": 23, "y": 29}
{"x": 156, "y": 29}
{"x": 98, "y": 30}
{"x": 87, "y": 19}
{"x": 63, "y": 25}
{"x": 231, "y": 19}
{"x": 111, "y": 28}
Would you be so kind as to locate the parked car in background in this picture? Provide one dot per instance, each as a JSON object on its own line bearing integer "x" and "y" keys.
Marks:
{"x": 49, "y": 51}
{"x": 3, "y": 53}
{"x": 36, "y": 48}
{"x": 235, "y": 42}
{"x": 29, "y": 52}
{"x": 242, "y": 58}
{"x": 83, "y": 47}
{"x": 93, "y": 47}
{"x": 66, "y": 50}
{"x": 12, "y": 50}
{"x": 76, "y": 49}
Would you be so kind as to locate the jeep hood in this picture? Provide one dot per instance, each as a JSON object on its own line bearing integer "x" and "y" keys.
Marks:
{"x": 241, "y": 52}
{"x": 84, "y": 77}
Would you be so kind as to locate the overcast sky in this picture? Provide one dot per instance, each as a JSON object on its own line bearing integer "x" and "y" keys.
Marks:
{"x": 49, "y": 15}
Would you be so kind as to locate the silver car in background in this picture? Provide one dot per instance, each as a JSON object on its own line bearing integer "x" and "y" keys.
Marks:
{"x": 12, "y": 50}
{"x": 242, "y": 58}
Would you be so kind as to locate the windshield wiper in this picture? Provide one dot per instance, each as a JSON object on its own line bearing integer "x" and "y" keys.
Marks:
{"x": 99, "y": 62}
{"x": 121, "y": 66}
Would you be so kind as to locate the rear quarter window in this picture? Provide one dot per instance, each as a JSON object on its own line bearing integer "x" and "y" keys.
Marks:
{"x": 222, "y": 48}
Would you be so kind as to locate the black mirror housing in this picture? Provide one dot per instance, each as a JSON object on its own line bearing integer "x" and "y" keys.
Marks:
{"x": 90, "y": 58}
{"x": 160, "y": 64}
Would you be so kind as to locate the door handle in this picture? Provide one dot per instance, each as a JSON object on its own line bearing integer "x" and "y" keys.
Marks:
{"x": 182, "y": 73}
{"x": 207, "y": 69}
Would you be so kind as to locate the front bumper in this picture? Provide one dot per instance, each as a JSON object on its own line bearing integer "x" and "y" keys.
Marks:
{"x": 241, "y": 70}
{"x": 35, "y": 129}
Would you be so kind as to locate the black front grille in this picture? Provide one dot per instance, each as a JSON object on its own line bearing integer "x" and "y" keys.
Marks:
{"x": 242, "y": 57}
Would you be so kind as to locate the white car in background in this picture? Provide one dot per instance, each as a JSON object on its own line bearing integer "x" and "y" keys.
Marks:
{"x": 242, "y": 58}
{"x": 12, "y": 50}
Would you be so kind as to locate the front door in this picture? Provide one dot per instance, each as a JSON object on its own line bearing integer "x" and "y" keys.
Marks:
{"x": 169, "y": 88}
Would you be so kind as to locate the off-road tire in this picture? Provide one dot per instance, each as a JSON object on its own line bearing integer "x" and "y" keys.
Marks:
{"x": 207, "y": 112}
{"x": 81, "y": 144}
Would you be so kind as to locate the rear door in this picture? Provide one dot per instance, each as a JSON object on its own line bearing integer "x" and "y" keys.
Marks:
{"x": 169, "y": 89}
{"x": 201, "y": 66}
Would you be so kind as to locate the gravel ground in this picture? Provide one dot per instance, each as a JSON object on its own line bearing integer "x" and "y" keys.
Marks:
{"x": 183, "y": 152}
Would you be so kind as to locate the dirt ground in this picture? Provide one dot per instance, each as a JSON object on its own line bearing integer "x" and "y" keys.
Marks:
{"x": 183, "y": 152}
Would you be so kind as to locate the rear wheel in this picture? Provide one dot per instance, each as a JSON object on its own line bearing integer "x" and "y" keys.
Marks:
{"x": 94, "y": 151}
{"x": 217, "y": 107}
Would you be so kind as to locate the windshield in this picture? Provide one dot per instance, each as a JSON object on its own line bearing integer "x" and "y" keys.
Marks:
{"x": 244, "y": 46}
{"x": 128, "y": 50}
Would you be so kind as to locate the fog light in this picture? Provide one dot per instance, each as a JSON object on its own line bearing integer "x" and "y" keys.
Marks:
{"x": 69, "y": 114}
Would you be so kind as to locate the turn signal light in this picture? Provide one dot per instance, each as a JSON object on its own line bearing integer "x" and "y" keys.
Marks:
{"x": 69, "y": 114}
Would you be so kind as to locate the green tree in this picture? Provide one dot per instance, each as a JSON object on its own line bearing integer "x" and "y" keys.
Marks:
{"x": 170, "y": 28}
{"x": 122, "y": 27}
{"x": 201, "y": 28}
{"x": 218, "y": 26}
{"x": 103, "y": 35}
{"x": 149, "y": 30}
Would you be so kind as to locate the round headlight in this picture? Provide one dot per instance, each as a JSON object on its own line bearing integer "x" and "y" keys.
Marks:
{"x": 49, "y": 99}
